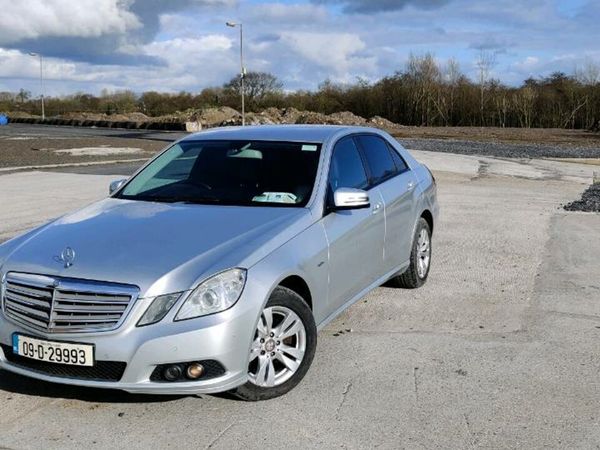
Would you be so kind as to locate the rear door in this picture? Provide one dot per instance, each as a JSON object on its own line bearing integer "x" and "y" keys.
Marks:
{"x": 355, "y": 236}
{"x": 396, "y": 183}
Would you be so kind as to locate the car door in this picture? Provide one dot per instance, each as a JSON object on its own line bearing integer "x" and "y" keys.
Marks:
{"x": 355, "y": 236}
{"x": 397, "y": 184}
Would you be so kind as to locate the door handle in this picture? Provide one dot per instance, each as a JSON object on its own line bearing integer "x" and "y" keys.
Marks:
{"x": 376, "y": 208}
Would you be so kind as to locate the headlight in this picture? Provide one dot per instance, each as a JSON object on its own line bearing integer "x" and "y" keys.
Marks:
{"x": 158, "y": 309}
{"x": 216, "y": 294}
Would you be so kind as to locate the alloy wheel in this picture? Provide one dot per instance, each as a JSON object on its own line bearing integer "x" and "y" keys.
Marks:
{"x": 278, "y": 347}
{"x": 423, "y": 253}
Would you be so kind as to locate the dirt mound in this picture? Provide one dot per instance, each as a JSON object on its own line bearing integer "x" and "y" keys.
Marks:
{"x": 292, "y": 116}
{"x": 214, "y": 117}
{"x": 19, "y": 115}
{"x": 345, "y": 118}
{"x": 129, "y": 117}
{"x": 223, "y": 116}
{"x": 382, "y": 122}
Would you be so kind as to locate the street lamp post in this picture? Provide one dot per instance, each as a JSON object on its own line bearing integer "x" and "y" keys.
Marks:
{"x": 243, "y": 70}
{"x": 41, "y": 82}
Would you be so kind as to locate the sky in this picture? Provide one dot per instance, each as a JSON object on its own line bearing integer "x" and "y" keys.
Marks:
{"x": 175, "y": 45}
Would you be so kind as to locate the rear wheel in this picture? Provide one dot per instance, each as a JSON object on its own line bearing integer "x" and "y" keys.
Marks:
{"x": 420, "y": 259}
{"x": 282, "y": 349}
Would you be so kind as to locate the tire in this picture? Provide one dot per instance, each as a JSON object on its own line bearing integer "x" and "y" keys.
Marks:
{"x": 270, "y": 347}
{"x": 415, "y": 277}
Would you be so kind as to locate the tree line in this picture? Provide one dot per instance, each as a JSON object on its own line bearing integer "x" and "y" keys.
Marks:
{"x": 424, "y": 93}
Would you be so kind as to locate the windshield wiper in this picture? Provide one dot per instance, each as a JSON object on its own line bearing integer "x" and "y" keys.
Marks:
{"x": 175, "y": 199}
{"x": 200, "y": 200}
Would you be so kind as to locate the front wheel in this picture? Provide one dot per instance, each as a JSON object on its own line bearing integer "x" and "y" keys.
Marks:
{"x": 420, "y": 259}
{"x": 282, "y": 349}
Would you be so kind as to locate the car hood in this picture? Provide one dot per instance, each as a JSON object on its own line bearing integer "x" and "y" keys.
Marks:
{"x": 158, "y": 247}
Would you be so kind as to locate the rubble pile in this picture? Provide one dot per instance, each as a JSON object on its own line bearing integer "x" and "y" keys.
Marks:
{"x": 198, "y": 119}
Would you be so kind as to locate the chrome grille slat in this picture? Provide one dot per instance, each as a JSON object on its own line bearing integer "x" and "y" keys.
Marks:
{"x": 27, "y": 319}
{"x": 29, "y": 291}
{"x": 70, "y": 319}
{"x": 39, "y": 314}
{"x": 63, "y": 305}
{"x": 107, "y": 309}
{"x": 28, "y": 300}
{"x": 73, "y": 297}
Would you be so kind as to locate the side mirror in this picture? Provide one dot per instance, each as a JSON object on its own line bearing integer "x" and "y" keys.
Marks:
{"x": 115, "y": 186}
{"x": 348, "y": 198}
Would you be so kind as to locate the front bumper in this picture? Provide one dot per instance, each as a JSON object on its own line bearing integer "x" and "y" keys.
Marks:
{"x": 224, "y": 337}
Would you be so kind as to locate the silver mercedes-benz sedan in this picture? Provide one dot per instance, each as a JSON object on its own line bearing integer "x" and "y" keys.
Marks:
{"x": 212, "y": 268}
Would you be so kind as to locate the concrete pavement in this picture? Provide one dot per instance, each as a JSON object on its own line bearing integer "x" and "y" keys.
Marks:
{"x": 498, "y": 350}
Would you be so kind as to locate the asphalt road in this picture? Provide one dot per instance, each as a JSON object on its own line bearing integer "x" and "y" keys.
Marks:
{"x": 61, "y": 132}
{"x": 498, "y": 350}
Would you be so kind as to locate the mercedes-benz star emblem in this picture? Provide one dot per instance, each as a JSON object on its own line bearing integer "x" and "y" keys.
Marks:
{"x": 67, "y": 257}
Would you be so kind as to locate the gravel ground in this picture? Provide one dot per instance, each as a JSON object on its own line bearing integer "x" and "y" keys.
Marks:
{"x": 500, "y": 149}
{"x": 590, "y": 200}
{"x": 26, "y": 145}
{"x": 43, "y": 151}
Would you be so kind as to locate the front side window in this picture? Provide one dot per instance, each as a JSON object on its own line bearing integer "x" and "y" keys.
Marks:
{"x": 346, "y": 169}
{"x": 378, "y": 158}
{"x": 244, "y": 173}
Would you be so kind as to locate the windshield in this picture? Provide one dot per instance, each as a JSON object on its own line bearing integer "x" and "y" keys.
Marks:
{"x": 246, "y": 173}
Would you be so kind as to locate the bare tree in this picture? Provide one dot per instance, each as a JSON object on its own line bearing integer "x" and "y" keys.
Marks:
{"x": 524, "y": 102}
{"x": 23, "y": 95}
{"x": 453, "y": 77}
{"x": 588, "y": 73}
{"x": 257, "y": 86}
{"x": 485, "y": 62}
{"x": 424, "y": 73}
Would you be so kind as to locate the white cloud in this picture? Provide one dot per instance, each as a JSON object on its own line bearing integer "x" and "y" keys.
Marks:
{"x": 32, "y": 19}
{"x": 528, "y": 64}
{"x": 190, "y": 64}
{"x": 339, "y": 52}
{"x": 172, "y": 45}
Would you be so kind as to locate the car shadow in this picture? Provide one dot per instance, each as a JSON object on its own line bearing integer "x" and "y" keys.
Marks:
{"x": 17, "y": 384}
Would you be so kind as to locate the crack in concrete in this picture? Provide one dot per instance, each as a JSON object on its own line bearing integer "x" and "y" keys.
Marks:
{"x": 416, "y": 383}
{"x": 573, "y": 315}
{"x": 219, "y": 436}
{"x": 343, "y": 400}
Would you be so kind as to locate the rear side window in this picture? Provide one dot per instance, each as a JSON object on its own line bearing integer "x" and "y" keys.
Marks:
{"x": 379, "y": 159}
{"x": 398, "y": 160}
{"x": 346, "y": 170}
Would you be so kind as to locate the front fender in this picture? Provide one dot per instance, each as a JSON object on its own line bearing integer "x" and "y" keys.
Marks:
{"x": 305, "y": 256}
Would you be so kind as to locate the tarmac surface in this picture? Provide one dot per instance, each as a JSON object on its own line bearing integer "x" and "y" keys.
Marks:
{"x": 24, "y": 145}
{"x": 498, "y": 350}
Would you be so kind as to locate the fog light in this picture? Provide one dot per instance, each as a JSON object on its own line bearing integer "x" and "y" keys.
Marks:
{"x": 195, "y": 371}
{"x": 172, "y": 373}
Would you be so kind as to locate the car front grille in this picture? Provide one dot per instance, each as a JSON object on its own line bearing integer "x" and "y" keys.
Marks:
{"x": 101, "y": 371}
{"x": 65, "y": 305}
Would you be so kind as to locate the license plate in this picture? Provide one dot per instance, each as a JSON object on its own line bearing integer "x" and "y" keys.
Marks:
{"x": 53, "y": 352}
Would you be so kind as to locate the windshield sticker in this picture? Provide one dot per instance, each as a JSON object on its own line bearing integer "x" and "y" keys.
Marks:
{"x": 309, "y": 148}
{"x": 275, "y": 197}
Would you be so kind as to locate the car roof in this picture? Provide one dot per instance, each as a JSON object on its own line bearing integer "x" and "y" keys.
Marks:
{"x": 290, "y": 133}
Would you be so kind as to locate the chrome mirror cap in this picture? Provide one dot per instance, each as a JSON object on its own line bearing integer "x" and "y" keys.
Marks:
{"x": 348, "y": 198}
{"x": 115, "y": 186}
